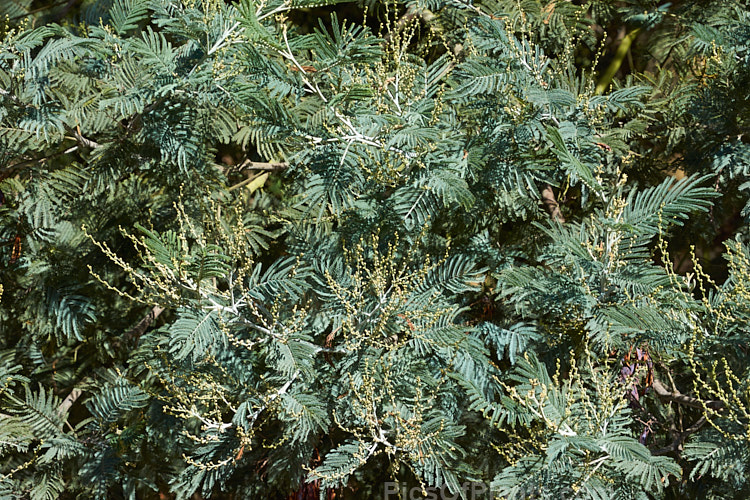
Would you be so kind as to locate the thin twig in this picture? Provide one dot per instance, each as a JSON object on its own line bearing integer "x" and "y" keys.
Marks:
{"x": 83, "y": 141}
{"x": 72, "y": 397}
{"x": 143, "y": 324}
{"x": 661, "y": 390}
{"x": 244, "y": 183}
{"x": 37, "y": 10}
{"x": 260, "y": 165}
{"x": 679, "y": 439}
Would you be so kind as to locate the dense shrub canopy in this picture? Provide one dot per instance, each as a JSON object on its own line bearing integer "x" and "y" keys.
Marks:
{"x": 266, "y": 248}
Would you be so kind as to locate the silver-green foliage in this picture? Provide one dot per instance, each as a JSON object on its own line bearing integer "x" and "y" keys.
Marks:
{"x": 393, "y": 302}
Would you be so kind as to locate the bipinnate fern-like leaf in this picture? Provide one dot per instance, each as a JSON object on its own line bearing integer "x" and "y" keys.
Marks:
{"x": 669, "y": 203}
{"x": 291, "y": 248}
{"x": 194, "y": 334}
